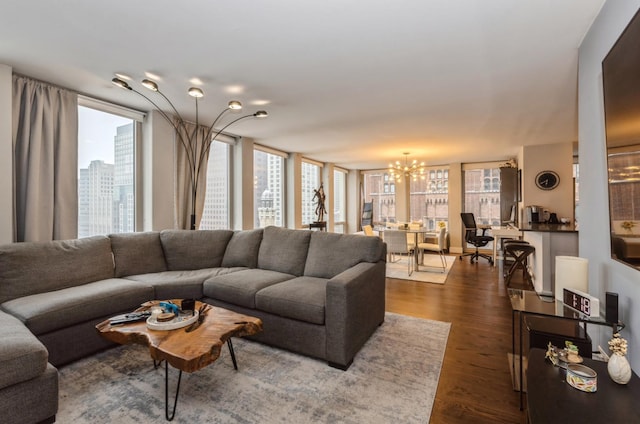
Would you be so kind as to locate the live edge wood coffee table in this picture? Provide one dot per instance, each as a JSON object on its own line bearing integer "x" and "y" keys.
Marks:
{"x": 185, "y": 351}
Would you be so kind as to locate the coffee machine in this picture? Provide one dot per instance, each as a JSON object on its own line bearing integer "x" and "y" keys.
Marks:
{"x": 533, "y": 214}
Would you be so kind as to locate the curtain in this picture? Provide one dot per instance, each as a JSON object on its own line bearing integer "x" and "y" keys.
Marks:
{"x": 45, "y": 150}
{"x": 183, "y": 170}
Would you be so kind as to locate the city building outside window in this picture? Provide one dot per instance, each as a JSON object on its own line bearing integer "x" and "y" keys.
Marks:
{"x": 217, "y": 202}
{"x": 482, "y": 193}
{"x": 429, "y": 198}
{"x": 268, "y": 188}
{"x": 380, "y": 189}
{"x": 106, "y": 172}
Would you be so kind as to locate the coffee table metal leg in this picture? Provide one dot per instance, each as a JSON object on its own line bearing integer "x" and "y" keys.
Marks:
{"x": 166, "y": 393}
{"x": 233, "y": 355}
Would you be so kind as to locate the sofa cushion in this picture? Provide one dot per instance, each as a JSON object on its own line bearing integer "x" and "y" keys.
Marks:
{"x": 284, "y": 250}
{"x": 330, "y": 253}
{"x": 22, "y": 356}
{"x": 137, "y": 253}
{"x": 188, "y": 250}
{"x": 46, "y": 312}
{"x": 240, "y": 288}
{"x": 39, "y": 267}
{"x": 180, "y": 284}
{"x": 301, "y": 298}
{"x": 242, "y": 249}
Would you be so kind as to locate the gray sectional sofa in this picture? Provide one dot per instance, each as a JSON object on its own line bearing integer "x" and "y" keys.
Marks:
{"x": 318, "y": 294}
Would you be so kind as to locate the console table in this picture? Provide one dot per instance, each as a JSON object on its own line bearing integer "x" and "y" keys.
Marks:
{"x": 527, "y": 302}
{"x": 550, "y": 399}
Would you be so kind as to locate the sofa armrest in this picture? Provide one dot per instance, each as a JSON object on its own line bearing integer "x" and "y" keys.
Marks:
{"x": 22, "y": 356}
{"x": 355, "y": 307}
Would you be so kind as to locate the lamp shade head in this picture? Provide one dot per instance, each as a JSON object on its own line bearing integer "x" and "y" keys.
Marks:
{"x": 235, "y": 105}
{"x": 196, "y": 92}
{"x": 261, "y": 114}
{"x": 151, "y": 85}
{"x": 121, "y": 83}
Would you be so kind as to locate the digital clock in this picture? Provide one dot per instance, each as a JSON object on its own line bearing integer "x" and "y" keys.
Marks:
{"x": 581, "y": 302}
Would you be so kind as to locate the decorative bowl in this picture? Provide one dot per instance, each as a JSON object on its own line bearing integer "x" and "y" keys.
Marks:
{"x": 582, "y": 378}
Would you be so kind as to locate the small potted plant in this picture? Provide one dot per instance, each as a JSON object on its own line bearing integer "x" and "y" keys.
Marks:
{"x": 628, "y": 225}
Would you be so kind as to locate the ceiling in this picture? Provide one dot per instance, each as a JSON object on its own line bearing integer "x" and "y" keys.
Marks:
{"x": 354, "y": 83}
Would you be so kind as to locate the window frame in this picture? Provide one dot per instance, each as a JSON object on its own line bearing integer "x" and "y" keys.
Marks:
{"x": 137, "y": 118}
{"x": 282, "y": 183}
{"x": 343, "y": 222}
{"x": 306, "y": 198}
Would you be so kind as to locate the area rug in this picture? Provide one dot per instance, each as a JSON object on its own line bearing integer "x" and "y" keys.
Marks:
{"x": 393, "y": 378}
{"x": 430, "y": 272}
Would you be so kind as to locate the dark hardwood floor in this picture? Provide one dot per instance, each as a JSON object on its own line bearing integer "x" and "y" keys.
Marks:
{"x": 475, "y": 383}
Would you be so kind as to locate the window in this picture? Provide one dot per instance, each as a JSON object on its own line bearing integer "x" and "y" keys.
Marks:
{"x": 217, "y": 200}
{"x": 380, "y": 189}
{"x": 268, "y": 188}
{"x": 339, "y": 201}
{"x": 106, "y": 172}
{"x": 310, "y": 181}
{"x": 482, "y": 193}
{"x": 429, "y": 198}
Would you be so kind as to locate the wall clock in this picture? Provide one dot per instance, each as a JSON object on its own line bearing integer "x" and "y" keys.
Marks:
{"x": 547, "y": 180}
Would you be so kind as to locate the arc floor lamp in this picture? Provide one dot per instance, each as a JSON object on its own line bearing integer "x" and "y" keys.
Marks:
{"x": 196, "y": 148}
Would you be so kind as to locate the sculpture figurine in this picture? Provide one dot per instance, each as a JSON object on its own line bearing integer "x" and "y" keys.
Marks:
{"x": 320, "y": 208}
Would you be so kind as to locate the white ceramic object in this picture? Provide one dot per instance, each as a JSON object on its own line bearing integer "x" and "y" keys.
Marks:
{"x": 178, "y": 322}
{"x": 619, "y": 369}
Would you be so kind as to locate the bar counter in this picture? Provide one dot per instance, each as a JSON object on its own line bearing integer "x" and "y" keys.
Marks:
{"x": 550, "y": 240}
{"x": 549, "y": 228}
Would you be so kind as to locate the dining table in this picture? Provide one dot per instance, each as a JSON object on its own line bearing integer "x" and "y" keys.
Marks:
{"x": 426, "y": 233}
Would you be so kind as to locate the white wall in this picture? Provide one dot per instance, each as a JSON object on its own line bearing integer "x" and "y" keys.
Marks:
{"x": 242, "y": 196}
{"x": 553, "y": 157}
{"x": 456, "y": 195}
{"x": 294, "y": 189}
{"x": 354, "y": 201}
{"x": 605, "y": 274}
{"x": 157, "y": 170}
{"x": 6, "y": 155}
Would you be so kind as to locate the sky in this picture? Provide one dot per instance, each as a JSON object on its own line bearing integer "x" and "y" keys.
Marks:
{"x": 96, "y": 131}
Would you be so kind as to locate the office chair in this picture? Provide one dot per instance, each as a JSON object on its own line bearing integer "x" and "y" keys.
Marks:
{"x": 471, "y": 236}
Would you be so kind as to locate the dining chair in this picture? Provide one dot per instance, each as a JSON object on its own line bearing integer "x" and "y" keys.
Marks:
{"x": 397, "y": 245}
{"x": 412, "y": 237}
{"x": 368, "y": 230}
{"x": 438, "y": 247}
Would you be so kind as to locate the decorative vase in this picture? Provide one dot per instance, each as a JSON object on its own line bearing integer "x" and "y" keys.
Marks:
{"x": 619, "y": 369}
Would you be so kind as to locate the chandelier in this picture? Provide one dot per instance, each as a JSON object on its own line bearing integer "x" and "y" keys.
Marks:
{"x": 413, "y": 170}
{"x": 195, "y": 143}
